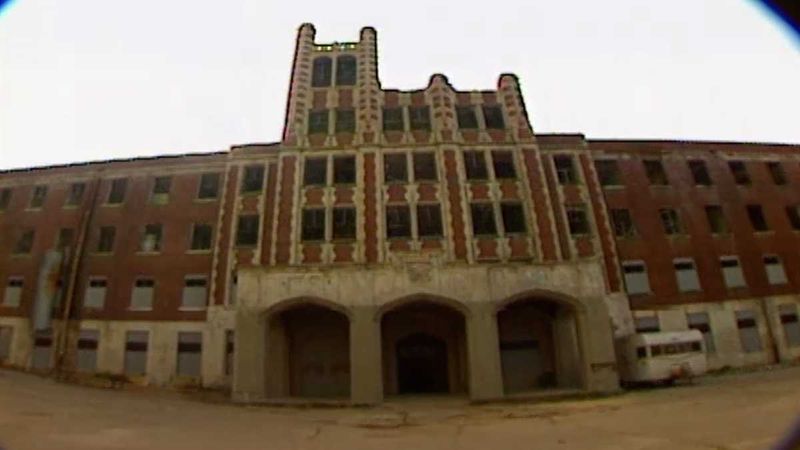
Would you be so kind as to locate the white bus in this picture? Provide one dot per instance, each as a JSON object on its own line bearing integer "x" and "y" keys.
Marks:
{"x": 661, "y": 356}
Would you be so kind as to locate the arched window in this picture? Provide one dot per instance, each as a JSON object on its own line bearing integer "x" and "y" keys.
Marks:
{"x": 321, "y": 75}
{"x": 346, "y": 71}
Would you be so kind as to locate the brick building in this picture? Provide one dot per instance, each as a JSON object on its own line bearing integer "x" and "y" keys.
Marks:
{"x": 399, "y": 242}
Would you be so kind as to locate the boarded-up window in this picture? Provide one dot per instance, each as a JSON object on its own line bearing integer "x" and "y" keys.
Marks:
{"x": 608, "y": 172}
{"x": 344, "y": 170}
{"x": 344, "y": 223}
{"x": 42, "y": 351}
{"x": 395, "y": 168}
{"x": 623, "y": 223}
{"x": 87, "y": 350}
{"x": 13, "y": 292}
{"x": 345, "y": 121}
{"x": 393, "y": 119}
{"x": 475, "y": 165}
{"x": 209, "y": 186}
{"x": 732, "y": 272}
{"x": 116, "y": 194}
{"x": 636, "y": 281}
{"x": 420, "y": 117}
{"x": 136, "y": 352}
{"x": 466, "y": 117}
{"x": 739, "y": 172}
{"x": 38, "y": 197}
{"x": 190, "y": 351}
{"x": 686, "y": 274}
{"x": 503, "y": 163}
{"x": 748, "y": 331}
{"x": 774, "y": 267}
{"x": 142, "y": 295}
{"x": 700, "y": 173}
{"x": 493, "y": 117}
{"x": 6, "y": 340}
{"x": 194, "y": 293}
{"x": 483, "y": 220}
{"x": 429, "y": 220}
{"x": 253, "y": 178}
{"x": 565, "y": 169}
{"x": 247, "y": 230}
{"x": 229, "y": 351}
{"x": 425, "y": 167}
{"x": 398, "y": 221}
{"x": 75, "y": 195}
{"x": 313, "y": 224}
{"x": 513, "y": 218}
{"x": 647, "y": 324}
{"x": 315, "y": 172}
{"x": 791, "y": 326}
{"x": 699, "y": 321}
{"x": 776, "y": 172}
{"x": 95, "y": 293}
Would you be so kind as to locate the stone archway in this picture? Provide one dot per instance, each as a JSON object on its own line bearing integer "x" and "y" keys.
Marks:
{"x": 539, "y": 345}
{"x": 424, "y": 348}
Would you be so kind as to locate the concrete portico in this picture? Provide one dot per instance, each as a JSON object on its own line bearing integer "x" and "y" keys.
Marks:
{"x": 387, "y": 304}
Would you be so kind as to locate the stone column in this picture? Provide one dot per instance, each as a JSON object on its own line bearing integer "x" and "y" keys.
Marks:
{"x": 248, "y": 374}
{"x": 366, "y": 373}
{"x": 483, "y": 350}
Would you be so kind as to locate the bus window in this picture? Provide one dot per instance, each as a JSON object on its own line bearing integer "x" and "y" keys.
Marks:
{"x": 641, "y": 352}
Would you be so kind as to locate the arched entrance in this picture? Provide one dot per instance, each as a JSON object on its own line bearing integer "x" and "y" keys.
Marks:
{"x": 424, "y": 349}
{"x": 539, "y": 345}
{"x": 309, "y": 352}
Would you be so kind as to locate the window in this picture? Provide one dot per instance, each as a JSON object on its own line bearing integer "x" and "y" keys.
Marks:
{"x": 577, "y": 220}
{"x": 105, "y": 243}
{"x": 794, "y": 217}
{"x": 313, "y": 224}
{"x": 247, "y": 230}
{"x": 194, "y": 292}
{"x": 425, "y": 167}
{"x": 24, "y": 244}
{"x": 776, "y": 172}
{"x": 466, "y": 117}
{"x": 623, "y": 223}
{"x": 75, "y": 194}
{"x": 756, "y": 216}
{"x": 493, "y": 116}
{"x": 420, "y": 117}
{"x": 699, "y": 321}
{"x": 483, "y": 222}
{"x": 732, "y": 272}
{"x": 655, "y": 172}
{"x": 201, "y": 236}
{"x": 190, "y": 351}
{"x": 151, "y": 240}
{"x": 393, "y": 119}
{"x": 513, "y": 218}
{"x": 315, "y": 172}
{"x": 38, "y": 197}
{"x": 344, "y": 170}
{"x": 429, "y": 220}
{"x": 686, "y": 275}
{"x": 346, "y": 72}
{"x": 503, "y": 162}
{"x": 739, "y": 172}
{"x": 142, "y": 296}
{"x": 116, "y": 194}
{"x": 670, "y": 221}
{"x": 641, "y": 352}
{"x": 647, "y": 324}
{"x": 209, "y": 186}
{"x": 716, "y": 219}
{"x": 700, "y": 173}
{"x": 345, "y": 121}
{"x": 6, "y": 338}
{"x": 253, "y": 179}
{"x": 321, "y": 72}
{"x": 774, "y": 267}
{"x": 565, "y": 169}
{"x": 395, "y": 168}
{"x": 95, "y": 296}
{"x": 607, "y": 172}
{"x": 42, "y": 356}
{"x": 87, "y": 350}
{"x": 233, "y": 290}
{"x": 475, "y": 165}
{"x": 13, "y": 294}
{"x": 748, "y": 331}
{"x": 229, "y": 348}
{"x": 64, "y": 239}
{"x": 344, "y": 223}
{"x": 136, "y": 352}
{"x": 398, "y": 221}
{"x": 636, "y": 280}
{"x": 5, "y": 198}
{"x": 318, "y": 122}
{"x": 791, "y": 326}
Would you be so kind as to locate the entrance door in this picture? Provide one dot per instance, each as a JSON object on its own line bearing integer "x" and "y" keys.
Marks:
{"x": 522, "y": 365}
{"x": 421, "y": 364}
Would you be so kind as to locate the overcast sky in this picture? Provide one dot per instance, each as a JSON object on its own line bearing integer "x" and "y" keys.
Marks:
{"x": 96, "y": 79}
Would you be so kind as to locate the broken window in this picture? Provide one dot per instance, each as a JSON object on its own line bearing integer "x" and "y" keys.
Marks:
{"x": 429, "y": 220}
{"x": 318, "y": 122}
{"x": 655, "y": 172}
{"x": 105, "y": 242}
{"x": 313, "y": 224}
{"x": 6, "y": 339}
{"x": 315, "y": 172}
{"x": 686, "y": 275}
{"x": 209, "y": 186}
{"x": 420, "y": 117}
{"x": 466, "y": 117}
{"x": 253, "y": 179}
{"x": 748, "y": 331}
{"x": 321, "y": 72}
{"x": 395, "y": 168}
{"x": 345, "y": 121}
{"x": 398, "y": 221}
{"x": 670, "y": 221}
{"x": 607, "y": 172}
{"x": 513, "y": 218}
{"x": 756, "y": 216}
{"x": 194, "y": 292}
{"x": 699, "y": 321}
{"x": 636, "y": 280}
{"x": 493, "y": 116}
{"x": 75, "y": 194}
{"x": 151, "y": 240}
{"x": 5, "y": 198}
{"x": 201, "y": 236}
{"x": 483, "y": 220}
{"x": 774, "y": 267}
{"x": 503, "y": 162}
{"x": 229, "y": 351}
{"x": 38, "y": 197}
{"x": 716, "y": 219}
{"x": 647, "y": 324}
{"x": 87, "y": 350}
{"x": 475, "y": 165}
{"x": 739, "y": 172}
{"x": 425, "y": 167}
{"x": 732, "y": 272}
{"x": 344, "y": 170}
{"x": 136, "y": 343}
{"x": 344, "y": 223}
{"x": 794, "y": 217}
{"x": 346, "y": 72}
{"x": 116, "y": 194}
{"x": 577, "y": 220}
{"x": 791, "y": 326}
{"x": 700, "y": 173}
{"x": 142, "y": 295}
{"x": 95, "y": 293}
{"x": 776, "y": 172}
{"x": 623, "y": 223}
{"x": 190, "y": 352}
{"x": 393, "y": 119}
{"x": 565, "y": 169}
{"x": 247, "y": 230}
{"x": 13, "y": 292}
{"x": 24, "y": 244}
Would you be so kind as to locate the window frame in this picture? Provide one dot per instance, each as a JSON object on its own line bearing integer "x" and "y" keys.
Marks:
{"x": 305, "y": 233}
{"x": 494, "y": 119}
{"x": 200, "y": 185}
{"x": 245, "y": 237}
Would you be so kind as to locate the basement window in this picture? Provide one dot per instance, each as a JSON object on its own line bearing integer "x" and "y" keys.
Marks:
{"x": 748, "y": 331}
{"x": 313, "y": 224}
{"x": 429, "y": 220}
{"x": 398, "y": 221}
{"x": 483, "y": 220}
{"x": 503, "y": 162}
{"x": 253, "y": 178}
{"x": 686, "y": 275}
{"x": 190, "y": 353}
{"x": 466, "y": 117}
{"x": 655, "y": 172}
{"x": 493, "y": 116}
{"x": 195, "y": 293}
{"x": 136, "y": 343}
{"x": 756, "y": 216}
{"x": 623, "y": 223}
{"x": 739, "y": 172}
{"x": 395, "y": 168}
{"x": 425, "y": 167}
{"x": 791, "y": 326}
{"x": 87, "y": 350}
{"x": 344, "y": 223}
{"x": 700, "y": 173}
{"x": 95, "y": 296}
{"x": 393, "y": 119}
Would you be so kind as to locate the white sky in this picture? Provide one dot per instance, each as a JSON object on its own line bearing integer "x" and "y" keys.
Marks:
{"x": 97, "y": 79}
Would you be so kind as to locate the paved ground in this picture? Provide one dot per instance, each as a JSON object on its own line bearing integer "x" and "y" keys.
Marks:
{"x": 743, "y": 411}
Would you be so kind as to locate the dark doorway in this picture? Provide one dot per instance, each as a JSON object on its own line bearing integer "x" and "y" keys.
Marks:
{"x": 421, "y": 364}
